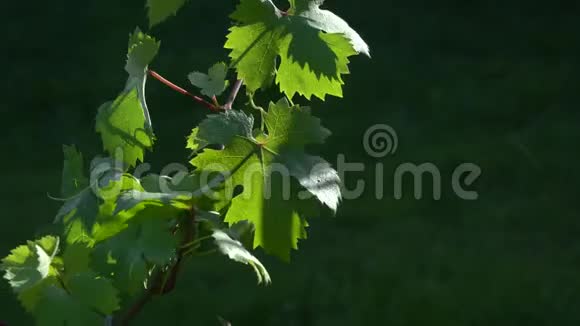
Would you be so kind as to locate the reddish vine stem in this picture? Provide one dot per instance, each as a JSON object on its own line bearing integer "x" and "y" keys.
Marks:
{"x": 233, "y": 94}
{"x": 158, "y": 286}
{"x": 182, "y": 91}
{"x": 137, "y": 307}
{"x": 190, "y": 234}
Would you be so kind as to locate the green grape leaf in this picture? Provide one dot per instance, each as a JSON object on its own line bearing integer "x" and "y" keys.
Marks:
{"x": 141, "y": 51}
{"x": 95, "y": 292}
{"x": 193, "y": 142}
{"x": 125, "y": 123}
{"x": 220, "y": 129}
{"x": 33, "y": 269}
{"x": 130, "y": 201}
{"x": 316, "y": 175}
{"x": 134, "y": 199}
{"x": 89, "y": 216}
{"x": 160, "y": 10}
{"x": 189, "y": 188}
{"x": 79, "y": 214}
{"x": 328, "y": 22}
{"x": 122, "y": 128}
{"x": 181, "y": 183}
{"x": 254, "y": 49}
{"x": 146, "y": 240}
{"x": 30, "y": 297}
{"x": 29, "y": 264}
{"x": 77, "y": 258}
{"x": 57, "y": 307}
{"x": 214, "y": 83}
{"x": 259, "y": 165}
{"x": 236, "y": 251}
{"x": 293, "y": 127}
{"x": 313, "y": 46}
{"x": 85, "y": 204}
{"x": 73, "y": 177}
{"x": 244, "y": 232}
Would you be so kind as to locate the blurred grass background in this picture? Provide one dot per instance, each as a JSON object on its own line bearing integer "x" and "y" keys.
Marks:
{"x": 494, "y": 83}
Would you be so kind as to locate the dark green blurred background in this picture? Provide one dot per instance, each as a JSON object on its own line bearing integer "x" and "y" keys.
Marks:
{"x": 494, "y": 83}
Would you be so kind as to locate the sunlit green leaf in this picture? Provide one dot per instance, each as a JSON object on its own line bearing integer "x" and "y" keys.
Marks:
{"x": 311, "y": 44}
{"x": 236, "y": 251}
{"x": 213, "y": 83}
{"x": 258, "y": 163}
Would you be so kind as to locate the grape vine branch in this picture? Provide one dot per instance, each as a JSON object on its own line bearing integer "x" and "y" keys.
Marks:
{"x": 183, "y": 91}
{"x": 123, "y": 240}
{"x": 163, "y": 282}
